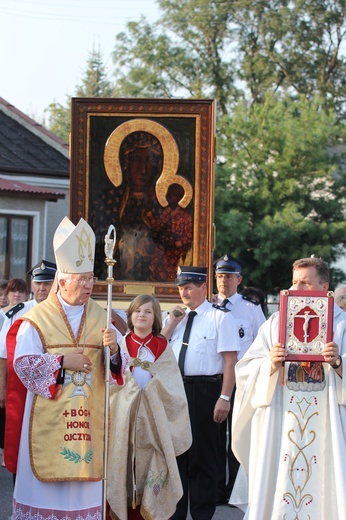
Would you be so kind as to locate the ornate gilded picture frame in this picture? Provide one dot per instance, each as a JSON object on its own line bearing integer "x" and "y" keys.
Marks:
{"x": 146, "y": 167}
{"x": 306, "y": 323}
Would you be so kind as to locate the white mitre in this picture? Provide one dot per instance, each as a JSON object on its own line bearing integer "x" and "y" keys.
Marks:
{"x": 74, "y": 247}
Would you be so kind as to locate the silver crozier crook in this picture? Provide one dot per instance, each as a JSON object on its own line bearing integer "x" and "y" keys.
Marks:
{"x": 109, "y": 249}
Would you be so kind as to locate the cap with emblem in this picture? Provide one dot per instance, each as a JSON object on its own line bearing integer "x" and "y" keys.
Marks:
{"x": 74, "y": 247}
{"x": 228, "y": 264}
{"x": 44, "y": 271}
{"x": 187, "y": 274}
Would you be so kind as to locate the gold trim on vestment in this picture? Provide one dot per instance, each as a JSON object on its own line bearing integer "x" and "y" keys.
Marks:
{"x": 66, "y": 433}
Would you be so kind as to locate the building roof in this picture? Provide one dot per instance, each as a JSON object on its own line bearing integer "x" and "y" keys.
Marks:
{"x": 17, "y": 189}
{"x": 27, "y": 148}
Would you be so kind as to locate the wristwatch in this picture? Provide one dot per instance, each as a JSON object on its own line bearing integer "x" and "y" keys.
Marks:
{"x": 225, "y": 397}
{"x": 337, "y": 363}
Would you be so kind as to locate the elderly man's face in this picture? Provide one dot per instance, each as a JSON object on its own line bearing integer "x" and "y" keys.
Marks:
{"x": 77, "y": 290}
{"x": 40, "y": 290}
{"x": 192, "y": 295}
{"x": 307, "y": 279}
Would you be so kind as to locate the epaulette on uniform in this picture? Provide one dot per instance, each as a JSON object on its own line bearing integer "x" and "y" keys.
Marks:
{"x": 223, "y": 309}
{"x": 12, "y": 312}
{"x": 252, "y": 300}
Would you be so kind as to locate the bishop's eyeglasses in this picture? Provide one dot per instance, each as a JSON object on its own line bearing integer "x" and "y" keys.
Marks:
{"x": 82, "y": 282}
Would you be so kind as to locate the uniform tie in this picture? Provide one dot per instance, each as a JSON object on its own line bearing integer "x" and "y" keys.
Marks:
{"x": 185, "y": 343}
{"x": 224, "y": 303}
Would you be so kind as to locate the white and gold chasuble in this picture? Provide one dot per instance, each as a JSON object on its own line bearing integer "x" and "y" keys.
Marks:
{"x": 66, "y": 433}
{"x": 290, "y": 439}
{"x": 300, "y": 476}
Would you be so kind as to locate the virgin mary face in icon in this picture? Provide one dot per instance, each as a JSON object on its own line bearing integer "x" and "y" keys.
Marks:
{"x": 141, "y": 158}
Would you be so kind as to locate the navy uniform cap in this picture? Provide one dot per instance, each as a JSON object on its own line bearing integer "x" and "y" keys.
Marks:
{"x": 44, "y": 271}
{"x": 187, "y": 274}
{"x": 228, "y": 264}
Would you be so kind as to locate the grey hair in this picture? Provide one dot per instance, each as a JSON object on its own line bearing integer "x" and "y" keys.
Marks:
{"x": 63, "y": 276}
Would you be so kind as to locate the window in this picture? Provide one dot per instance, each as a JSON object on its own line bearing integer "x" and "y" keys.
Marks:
{"x": 15, "y": 246}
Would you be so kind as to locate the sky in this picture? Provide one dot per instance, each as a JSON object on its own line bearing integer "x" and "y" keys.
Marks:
{"x": 45, "y": 45}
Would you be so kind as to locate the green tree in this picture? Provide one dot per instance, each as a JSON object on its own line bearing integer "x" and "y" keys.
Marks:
{"x": 183, "y": 53}
{"x": 277, "y": 196}
{"x": 94, "y": 84}
{"x": 280, "y": 193}
{"x": 59, "y": 119}
{"x": 295, "y": 46}
{"x": 278, "y": 74}
{"x": 233, "y": 49}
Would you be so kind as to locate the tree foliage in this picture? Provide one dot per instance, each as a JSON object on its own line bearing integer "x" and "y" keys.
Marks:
{"x": 280, "y": 194}
{"x": 296, "y": 47}
{"x": 277, "y": 70}
{"x": 59, "y": 119}
{"x": 182, "y": 54}
{"x": 231, "y": 49}
{"x": 95, "y": 83}
{"x": 277, "y": 73}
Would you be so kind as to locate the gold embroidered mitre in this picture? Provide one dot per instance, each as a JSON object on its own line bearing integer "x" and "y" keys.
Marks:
{"x": 74, "y": 247}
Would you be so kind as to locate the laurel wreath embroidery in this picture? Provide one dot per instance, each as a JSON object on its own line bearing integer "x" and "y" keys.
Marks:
{"x": 72, "y": 456}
